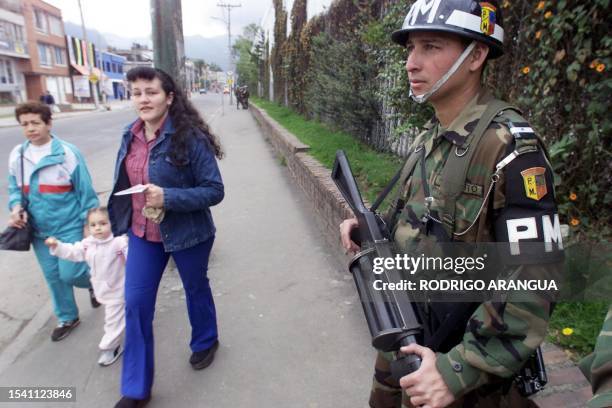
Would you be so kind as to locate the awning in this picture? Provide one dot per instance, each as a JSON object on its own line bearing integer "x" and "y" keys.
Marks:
{"x": 85, "y": 71}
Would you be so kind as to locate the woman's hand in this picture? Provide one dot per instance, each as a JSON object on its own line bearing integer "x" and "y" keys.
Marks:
{"x": 18, "y": 218}
{"x": 154, "y": 196}
{"x": 346, "y": 228}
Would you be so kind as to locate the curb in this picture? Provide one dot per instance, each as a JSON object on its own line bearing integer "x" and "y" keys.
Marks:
{"x": 566, "y": 387}
{"x": 64, "y": 115}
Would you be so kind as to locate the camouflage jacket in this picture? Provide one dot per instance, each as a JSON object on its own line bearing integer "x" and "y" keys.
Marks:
{"x": 499, "y": 337}
{"x": 597, "y": 367}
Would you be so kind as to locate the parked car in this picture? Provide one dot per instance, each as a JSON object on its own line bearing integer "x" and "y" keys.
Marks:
{"x": 202, "y": 91}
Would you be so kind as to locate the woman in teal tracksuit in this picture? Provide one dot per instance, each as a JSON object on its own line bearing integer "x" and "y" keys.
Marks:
{"x": 59, "y": 192}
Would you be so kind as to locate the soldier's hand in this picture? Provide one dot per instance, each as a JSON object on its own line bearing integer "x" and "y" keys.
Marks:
{"x": 346, "y": 227}
{"x": 426, "y": 387}
{"x": 18, "y": 218}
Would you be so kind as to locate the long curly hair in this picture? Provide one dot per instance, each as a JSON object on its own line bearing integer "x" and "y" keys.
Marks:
{"x": 184, "y": 115}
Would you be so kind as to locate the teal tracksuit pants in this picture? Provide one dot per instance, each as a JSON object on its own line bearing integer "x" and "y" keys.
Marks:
{"x": 62, "y": 276}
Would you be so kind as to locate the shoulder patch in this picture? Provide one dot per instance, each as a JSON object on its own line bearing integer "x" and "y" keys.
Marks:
{"x": 534, "y": 180}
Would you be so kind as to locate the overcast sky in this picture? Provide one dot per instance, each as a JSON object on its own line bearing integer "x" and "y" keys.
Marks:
{"x": 131, "y": 18}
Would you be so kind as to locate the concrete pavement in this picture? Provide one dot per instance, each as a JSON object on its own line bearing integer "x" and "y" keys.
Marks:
{"x": 291, "y": 327}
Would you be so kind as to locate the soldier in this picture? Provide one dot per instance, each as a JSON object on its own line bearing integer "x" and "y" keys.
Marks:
{"x": 597, "y": 367}
{"x": 477, "y": 173}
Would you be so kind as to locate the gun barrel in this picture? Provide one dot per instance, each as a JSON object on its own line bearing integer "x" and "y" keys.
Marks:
{"x": 390, "y": 315}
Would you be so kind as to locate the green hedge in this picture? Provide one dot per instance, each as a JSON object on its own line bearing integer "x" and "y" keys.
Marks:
{"x": 341, "y": 68}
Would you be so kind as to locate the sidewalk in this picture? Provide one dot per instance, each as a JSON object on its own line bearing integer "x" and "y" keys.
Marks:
{"x": 7, "y": 118}
{"x": 291, "y": 327}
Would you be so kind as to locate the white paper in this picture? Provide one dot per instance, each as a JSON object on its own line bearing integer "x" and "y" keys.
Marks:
{"x": 138, "y": 188}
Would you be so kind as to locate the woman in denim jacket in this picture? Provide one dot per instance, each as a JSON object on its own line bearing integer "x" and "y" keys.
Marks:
{"x": 171, "y": 151}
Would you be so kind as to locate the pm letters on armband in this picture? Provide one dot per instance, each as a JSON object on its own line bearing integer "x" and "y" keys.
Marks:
{"x": 527, "y": 228}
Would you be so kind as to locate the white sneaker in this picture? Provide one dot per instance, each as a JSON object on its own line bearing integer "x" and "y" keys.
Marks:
{"x": 108, "y": 357}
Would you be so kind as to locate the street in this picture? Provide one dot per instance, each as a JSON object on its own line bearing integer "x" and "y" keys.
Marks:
{"x": 292, "y": 333}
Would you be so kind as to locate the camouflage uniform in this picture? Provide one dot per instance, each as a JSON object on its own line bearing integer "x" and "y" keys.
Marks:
{"x": 498, "y": 337}
{"x": 597, "y": 367}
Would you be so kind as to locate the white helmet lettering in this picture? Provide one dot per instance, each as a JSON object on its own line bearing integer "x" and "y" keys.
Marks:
{"x": 422, "y": 7}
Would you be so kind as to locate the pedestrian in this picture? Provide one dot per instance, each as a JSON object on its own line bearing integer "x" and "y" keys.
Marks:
{"x": 59, "y": 193}
{"x": 105, "y": 255}
{"x": 171, "y": 151}
{"x": 477, "y": 173}
{"x": 48, "y": 99}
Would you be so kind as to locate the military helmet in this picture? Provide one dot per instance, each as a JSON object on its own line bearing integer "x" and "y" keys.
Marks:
{"x": 478, "y": 20}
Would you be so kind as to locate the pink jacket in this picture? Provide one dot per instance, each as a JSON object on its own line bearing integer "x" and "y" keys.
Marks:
{"x": 106, "y": 259}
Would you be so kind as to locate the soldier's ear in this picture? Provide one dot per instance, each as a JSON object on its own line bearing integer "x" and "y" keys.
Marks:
{"x": 478, "y": 57}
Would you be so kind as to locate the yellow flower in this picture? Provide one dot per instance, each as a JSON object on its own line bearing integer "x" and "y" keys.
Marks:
{"x": 538, "y": 34}
{"x": 575, "y": 222}
{"x": 548, "y": 14}
{"x": 568, "y": 331}
{"x": 541, "y": 5}
{"x": 573, "y": 196}
{"x": 600, "y": 67}
{"x": 526, "y": 70}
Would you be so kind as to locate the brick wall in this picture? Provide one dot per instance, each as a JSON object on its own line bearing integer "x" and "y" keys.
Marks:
{"x": 310, "y": 175}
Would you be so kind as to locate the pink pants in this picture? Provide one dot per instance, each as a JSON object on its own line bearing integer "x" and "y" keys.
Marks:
{"x": 114, "y": 326}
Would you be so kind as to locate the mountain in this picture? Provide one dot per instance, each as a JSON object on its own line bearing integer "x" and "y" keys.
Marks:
{"x": 212, "y": 49}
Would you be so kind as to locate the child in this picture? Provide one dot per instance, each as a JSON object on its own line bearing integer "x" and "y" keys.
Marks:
{"x": 105, "y": 255}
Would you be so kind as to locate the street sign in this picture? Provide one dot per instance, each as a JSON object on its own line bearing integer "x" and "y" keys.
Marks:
{"x": 93, "y": 78}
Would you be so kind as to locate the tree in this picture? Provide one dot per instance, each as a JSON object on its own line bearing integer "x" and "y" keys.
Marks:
{"x": 247, "y": 59}
{"x": 214, "y": 67}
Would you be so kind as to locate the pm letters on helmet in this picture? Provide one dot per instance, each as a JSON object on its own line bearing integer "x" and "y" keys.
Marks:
{"x": 422, "y": 7}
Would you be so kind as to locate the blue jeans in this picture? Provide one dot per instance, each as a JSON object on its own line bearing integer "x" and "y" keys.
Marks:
{"x": 145, "y": 265}
{"x": 61, "y": 276}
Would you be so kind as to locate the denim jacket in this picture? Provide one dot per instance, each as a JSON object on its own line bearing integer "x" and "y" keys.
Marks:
{"x": 190, "y": 189}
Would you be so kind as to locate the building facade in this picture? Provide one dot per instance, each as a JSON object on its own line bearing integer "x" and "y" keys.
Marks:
{"x": 47, "y": 67}
{"x": 13, "y": 52}
{"x": 112, "y": 83}
{"x": 84, "y": 68}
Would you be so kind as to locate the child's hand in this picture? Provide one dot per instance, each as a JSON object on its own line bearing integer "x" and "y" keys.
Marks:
{"x": 51, "y": 242}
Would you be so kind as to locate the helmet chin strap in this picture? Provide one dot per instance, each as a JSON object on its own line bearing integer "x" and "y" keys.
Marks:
{"x": 423, "y": 98}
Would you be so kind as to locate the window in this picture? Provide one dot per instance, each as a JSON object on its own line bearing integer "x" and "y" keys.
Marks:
{"x": 40, "y": 20}
{"x": 60, "y": 56}
{"x": 6, "y": 72}
{"x": 44, "y": 53}
{"x": 55, "y": 26}
{"x": 18, "y": 32}
{"x": 10, "y": 32}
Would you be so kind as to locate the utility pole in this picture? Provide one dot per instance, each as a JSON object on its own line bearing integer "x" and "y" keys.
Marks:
{"x": 229, "y": 8}
{"x": 168, "y": 44}
{"x": 89, "y": 62}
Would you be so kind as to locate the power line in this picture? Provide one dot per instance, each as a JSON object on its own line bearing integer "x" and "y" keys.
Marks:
{"x": 229, "y": 8}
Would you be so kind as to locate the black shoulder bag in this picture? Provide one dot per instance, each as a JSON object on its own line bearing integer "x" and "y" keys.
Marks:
{"x": 18, "y": 239}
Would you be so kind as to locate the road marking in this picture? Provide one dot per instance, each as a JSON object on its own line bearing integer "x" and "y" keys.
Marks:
{"x": 214, "y": 116}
